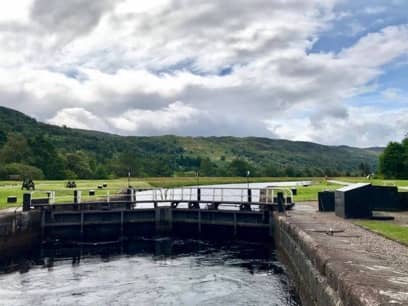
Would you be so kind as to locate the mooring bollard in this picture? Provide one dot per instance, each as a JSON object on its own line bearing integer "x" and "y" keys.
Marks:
{"x": 26, "y": 201}
{"x": 280, "y": 202}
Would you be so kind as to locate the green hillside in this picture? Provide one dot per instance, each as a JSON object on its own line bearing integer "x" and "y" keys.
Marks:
{"x": 31, "y": 148}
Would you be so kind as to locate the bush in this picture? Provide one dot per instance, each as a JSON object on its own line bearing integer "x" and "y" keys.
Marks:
{"x": 22, "y": 170}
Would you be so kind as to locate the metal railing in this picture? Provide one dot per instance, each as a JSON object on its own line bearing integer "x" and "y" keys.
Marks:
{"x": 228, "y": 195}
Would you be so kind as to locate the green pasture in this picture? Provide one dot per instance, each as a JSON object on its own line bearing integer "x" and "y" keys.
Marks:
{"x": 388, "y": 229}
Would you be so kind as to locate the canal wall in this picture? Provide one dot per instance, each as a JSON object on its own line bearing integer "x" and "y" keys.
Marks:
{"x": 305, "y": 263}
{"x": 335, "y": 262}
{"x": 19, "y": 232}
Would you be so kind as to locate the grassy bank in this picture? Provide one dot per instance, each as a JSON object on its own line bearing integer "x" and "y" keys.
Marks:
{"x": 388, "y": 229}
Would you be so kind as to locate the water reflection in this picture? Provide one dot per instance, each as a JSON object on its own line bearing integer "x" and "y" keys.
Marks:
{"x": 166, "y": 271}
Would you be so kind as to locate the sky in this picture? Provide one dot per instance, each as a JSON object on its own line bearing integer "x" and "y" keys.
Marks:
{"x": 331, "y": 71}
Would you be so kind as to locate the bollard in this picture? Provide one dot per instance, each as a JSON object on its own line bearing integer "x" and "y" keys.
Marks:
{"x": 26, "y": 201}
{"x": 280, "y": 202}
{"x": 249, "y": 195}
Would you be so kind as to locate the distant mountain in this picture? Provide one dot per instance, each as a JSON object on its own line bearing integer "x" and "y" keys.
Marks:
{"x": 166, "y": 155}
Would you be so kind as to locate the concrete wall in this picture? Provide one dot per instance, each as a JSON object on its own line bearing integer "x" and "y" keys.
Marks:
{"x": 306, "y": 264}
{"x": 19, "y": 232}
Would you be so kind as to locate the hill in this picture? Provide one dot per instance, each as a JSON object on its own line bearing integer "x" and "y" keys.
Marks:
{"x": 28, "y": 147}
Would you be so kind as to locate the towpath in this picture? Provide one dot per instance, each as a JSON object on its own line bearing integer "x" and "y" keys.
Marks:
{"x": 363, "y": 267}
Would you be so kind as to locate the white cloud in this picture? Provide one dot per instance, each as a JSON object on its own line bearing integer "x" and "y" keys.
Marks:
{"x": 120, "y": 66}
{"x": 77, "y": 118}
{"x": 364, "y": 127}
{"x": 174, "y": 116}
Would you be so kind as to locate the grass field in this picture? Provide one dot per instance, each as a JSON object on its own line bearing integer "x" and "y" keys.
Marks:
{"x": 379, "y": 182}
{"x": 13, "y": 188}
{"x": 63, "y": 194}
{"x": 387, "y": 229}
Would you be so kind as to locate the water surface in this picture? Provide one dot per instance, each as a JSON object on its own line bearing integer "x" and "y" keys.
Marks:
{"x": 164, "y": 271}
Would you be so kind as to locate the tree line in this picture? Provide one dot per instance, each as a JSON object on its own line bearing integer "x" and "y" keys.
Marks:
{"x": 37, "y": 157}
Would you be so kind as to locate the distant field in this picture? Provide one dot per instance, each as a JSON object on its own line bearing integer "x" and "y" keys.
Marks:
{"x": 13, "y": 188}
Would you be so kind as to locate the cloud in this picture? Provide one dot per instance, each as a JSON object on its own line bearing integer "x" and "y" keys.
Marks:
{"x": 78, "y": 118}
{"x": 69, "y": 19}
{"x": 364, "y": 127}
{"x": 149, "y": 122}
{"x": 242, "y": 68}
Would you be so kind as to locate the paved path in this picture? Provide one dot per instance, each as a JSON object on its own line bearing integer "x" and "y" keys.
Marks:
{"x": 10, "y": 210}
{"x": 374, "y": 269}
{"x": 339, "y": 182}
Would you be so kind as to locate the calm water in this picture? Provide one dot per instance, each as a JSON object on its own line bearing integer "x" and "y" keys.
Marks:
{"x": 149, "y": 272}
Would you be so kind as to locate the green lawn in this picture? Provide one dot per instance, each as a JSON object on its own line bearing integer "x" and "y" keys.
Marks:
{"x": 13, "y": 188}
{"x": 379, "y": 182}
{"x": 309, "y": 193}
{"x": 387, "y": 229}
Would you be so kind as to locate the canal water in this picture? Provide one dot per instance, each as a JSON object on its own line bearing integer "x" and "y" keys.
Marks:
{"x": 165, "y": 271}
{"x": 141, "y": 271}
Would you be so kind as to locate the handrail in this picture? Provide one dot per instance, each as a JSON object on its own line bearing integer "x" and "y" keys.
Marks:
{"x": 181, "y": 194}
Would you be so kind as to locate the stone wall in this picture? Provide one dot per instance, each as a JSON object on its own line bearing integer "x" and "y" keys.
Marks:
{"x": 305, "y": 263}
{"x": 19, "y": 232}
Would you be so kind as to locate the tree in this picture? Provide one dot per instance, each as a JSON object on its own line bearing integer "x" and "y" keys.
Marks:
{"x": 392, "y": 163}
{"x": 22, "y": 170}
{"x": 207, "y": 168}
{"x": 78, "y": 163}
{"x": 364, "y": 169}
{"x": 46, "y": 158}
{"x": 16, "y": 150}
{"x": 3, "y": 138}
{"x": 239, "y": 167}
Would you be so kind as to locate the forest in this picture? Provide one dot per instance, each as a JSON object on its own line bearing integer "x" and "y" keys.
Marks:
{"x": 36, "y": 150}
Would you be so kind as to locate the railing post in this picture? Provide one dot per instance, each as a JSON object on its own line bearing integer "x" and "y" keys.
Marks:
{"x": 27, "y": 201}
{"x": 198, "y": 194}
{"x": 280, "y": 202}
{"x": 249, "y": 195}
{"x": 77, "y": 198}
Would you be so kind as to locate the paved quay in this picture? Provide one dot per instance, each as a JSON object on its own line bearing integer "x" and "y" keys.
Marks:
{"x": 361, "y": 267}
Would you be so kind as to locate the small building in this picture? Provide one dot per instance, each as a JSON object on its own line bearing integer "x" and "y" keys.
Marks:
{"x": 385, "y": 198}
{"x": 354, "y": 201}
{"x": 326, "y": 200}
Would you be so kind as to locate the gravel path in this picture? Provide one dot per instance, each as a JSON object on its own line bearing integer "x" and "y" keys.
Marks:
{"x": 354, "y": 238}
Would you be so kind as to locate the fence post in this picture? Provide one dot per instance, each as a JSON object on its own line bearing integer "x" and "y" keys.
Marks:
{"x": 249, "y": 195}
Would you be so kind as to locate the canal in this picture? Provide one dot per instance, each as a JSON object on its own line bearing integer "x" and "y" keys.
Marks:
{"x": 165, "y": 271}
{"x": 149, "y": 271}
